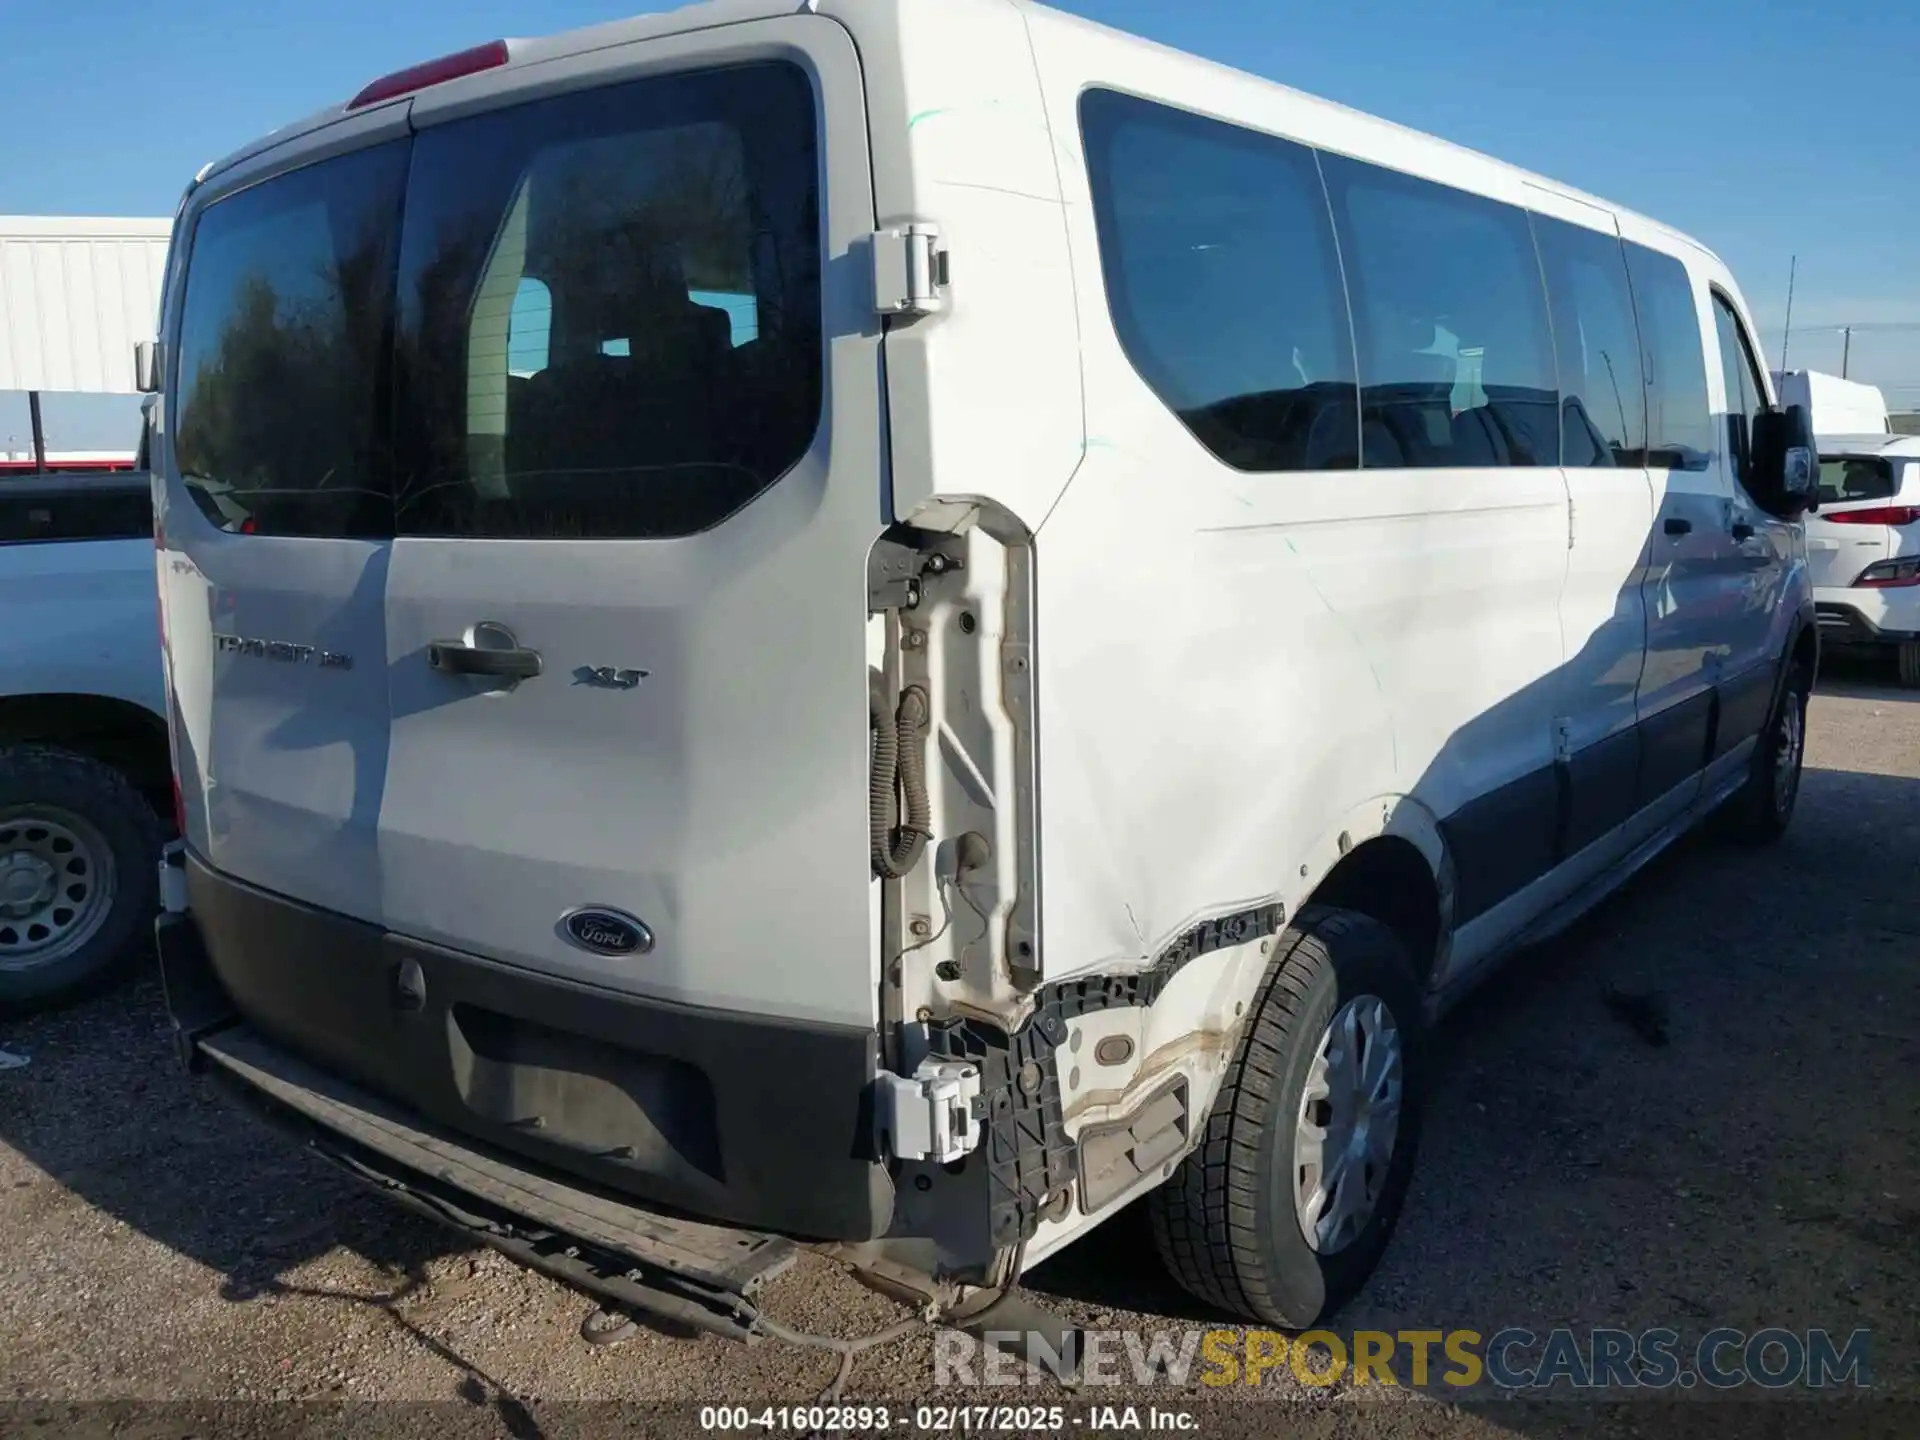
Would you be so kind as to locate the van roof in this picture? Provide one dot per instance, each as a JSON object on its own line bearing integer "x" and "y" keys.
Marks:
{"x": 708, "y": 13}
{"x": 1201, "y": 66}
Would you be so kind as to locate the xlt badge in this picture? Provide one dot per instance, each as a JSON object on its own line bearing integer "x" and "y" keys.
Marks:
{"x": 609, "y": 677}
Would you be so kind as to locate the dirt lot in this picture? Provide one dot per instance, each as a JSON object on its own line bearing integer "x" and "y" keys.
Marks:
{"x": 1761, "y": 1169}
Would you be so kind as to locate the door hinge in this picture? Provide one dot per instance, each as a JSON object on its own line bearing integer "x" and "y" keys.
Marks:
{"x": 933, "y": 1114}
{"x": 909, "y": 270}
{"x": 1562, "y": 739}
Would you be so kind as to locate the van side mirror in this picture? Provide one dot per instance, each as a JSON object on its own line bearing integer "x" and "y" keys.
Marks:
{"x": 146, "y": 367}
{"x": 1786, "y": 462}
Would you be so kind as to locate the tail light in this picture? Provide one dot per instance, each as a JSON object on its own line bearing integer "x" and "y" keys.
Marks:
{"x": 1889, "y": 574}
{"x": 179, "y": 808}
{"x": 432, "y": 72}
{"x": 1881, "y": 515}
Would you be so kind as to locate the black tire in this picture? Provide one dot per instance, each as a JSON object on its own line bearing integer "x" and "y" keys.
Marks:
{"x": 1760, "y": 810}
{"x": 1908, "y": 661}
{"x": 1225, "y": 1222}
{"x": 37, "y": 781}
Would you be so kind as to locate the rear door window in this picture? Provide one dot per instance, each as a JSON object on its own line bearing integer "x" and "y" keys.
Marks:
{"x": 280, "y": 419}
{"x": 1844, "y": 478}
{"x": 609, "y": 316}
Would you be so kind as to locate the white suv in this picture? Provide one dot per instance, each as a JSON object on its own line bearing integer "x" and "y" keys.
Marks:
{"x": 1863, "y": 545}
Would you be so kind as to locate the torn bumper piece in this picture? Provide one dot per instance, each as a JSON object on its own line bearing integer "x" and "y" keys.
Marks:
{"x": 704, "y": 1276}
{"x": 695, "y": 1274}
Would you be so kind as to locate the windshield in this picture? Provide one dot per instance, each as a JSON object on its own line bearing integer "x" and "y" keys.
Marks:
{"x": 1856, "y": 477}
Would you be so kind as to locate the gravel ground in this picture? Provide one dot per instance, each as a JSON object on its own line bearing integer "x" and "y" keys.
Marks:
{"x": 1761, "y": 1169}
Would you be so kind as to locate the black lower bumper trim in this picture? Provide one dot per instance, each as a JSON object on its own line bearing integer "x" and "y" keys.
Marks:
{"x": 752, "y": 1121}
{"x": 704, "y": 1276}
{"x": 1845, "y": 625}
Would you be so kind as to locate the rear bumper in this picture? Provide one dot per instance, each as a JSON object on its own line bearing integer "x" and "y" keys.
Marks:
{"x": 1867, "y": 616}
{"x": 655, "y": 1108}
{"x": 703, "y": 1276}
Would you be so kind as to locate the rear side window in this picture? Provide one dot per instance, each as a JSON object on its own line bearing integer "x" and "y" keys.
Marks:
{"x": 282, "y": 361}
{"x": 1450, "y": 313}
{"x": 1224, "y": 283}
{"x": 1856, "y": 477}
{"x": 1603, "y": 410}
{"x": 1679, "y": 415}
{"x": 609, "y": 314}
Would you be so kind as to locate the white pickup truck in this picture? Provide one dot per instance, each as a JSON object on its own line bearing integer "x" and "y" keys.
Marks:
{"x": 84, "y": 773}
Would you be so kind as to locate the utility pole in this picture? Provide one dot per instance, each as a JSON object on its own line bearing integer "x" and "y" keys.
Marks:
{"x": 1786, "y": 332}
{"x": 1846, "y": 348}
{"x": 39, "y": 431}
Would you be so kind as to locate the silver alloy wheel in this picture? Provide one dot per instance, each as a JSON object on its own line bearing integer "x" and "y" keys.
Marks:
{"x": 56, "y": 885}
{"x": 1787, "y": 750}
{"x": 1349, "y": 1119}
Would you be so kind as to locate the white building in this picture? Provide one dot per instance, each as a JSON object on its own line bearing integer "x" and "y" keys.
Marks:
{"x": 76, "y": 293}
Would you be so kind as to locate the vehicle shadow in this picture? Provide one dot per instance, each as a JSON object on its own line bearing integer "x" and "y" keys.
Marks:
{"x": 1862, "y": 675}
{"x": 1758, "y": 1165}
{"x": 104, "y": 1112}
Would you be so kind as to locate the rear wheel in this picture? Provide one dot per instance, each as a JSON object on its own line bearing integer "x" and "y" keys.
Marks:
{"x": 1761, "y": 810}
{"x": 79, "y": 852}
{"x": 1285, "y": 1208}
{"x": 1909, "y": 659}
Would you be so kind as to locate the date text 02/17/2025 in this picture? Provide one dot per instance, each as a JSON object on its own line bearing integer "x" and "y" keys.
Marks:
{"x": 943, "y": 1419}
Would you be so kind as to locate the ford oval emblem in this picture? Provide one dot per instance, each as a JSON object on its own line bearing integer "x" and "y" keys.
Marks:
{"x": 606, "y": 932}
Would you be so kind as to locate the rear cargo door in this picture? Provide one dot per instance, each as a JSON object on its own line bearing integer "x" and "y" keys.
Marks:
{"x": 276, "y": 515}
{"x": 637, "y": 473}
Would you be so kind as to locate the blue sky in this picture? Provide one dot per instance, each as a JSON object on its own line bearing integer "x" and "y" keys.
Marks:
{"x": 1765, "y": 130}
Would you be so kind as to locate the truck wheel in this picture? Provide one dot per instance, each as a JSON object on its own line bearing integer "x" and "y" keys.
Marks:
{"x": 1761, "y": 809}
{"x": 1284, "y": 1209}
{"x": 1910, "y": 663}
{"x": 79, "y": 877}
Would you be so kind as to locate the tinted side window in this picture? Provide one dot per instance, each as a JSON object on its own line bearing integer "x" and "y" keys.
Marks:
{"x": 1223, "y": 282}
{"x": 279, "y": 427}
{"x": 1603, "y": 410}
{"x": 1679, "y": 418}
{"x": 1856, "y": 477}
{"x": 1456, "y": 357}
{"x": 1740, "y": 373}
{"x": 609, "y": 309}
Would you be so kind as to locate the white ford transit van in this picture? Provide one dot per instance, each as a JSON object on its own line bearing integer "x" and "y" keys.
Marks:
{"x": 887, "y": 624}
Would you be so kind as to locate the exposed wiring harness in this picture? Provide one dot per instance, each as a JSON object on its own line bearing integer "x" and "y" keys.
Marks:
{"x": 847, "y": 1349}
{"x": 897, "y": 782}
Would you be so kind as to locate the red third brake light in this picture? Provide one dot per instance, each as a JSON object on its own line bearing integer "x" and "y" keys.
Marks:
{"x": 1883, "y": 515}
{"x": 432, "y": 72}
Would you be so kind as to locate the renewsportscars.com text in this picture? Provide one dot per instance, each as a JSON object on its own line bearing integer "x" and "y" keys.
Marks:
{"x": 1514, "y": 1358}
